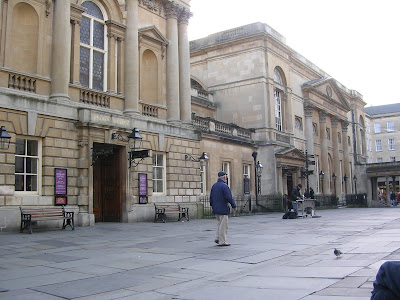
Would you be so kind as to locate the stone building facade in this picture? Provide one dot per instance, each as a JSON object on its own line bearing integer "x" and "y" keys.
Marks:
{"x": 75, "y": 78}
{"x": 292, "y": 106}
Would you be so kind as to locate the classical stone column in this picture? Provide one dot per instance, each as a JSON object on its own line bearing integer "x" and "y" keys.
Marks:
{"x": 346, "y": 157}
{"x": 336, "y": 164}
{"x": 184, "y": 67}
{"x": 131, "y": 59}
{"x": 308, "y": 128}
{"x": 111, "y": 86}
{"x": 76, "y": 17}
{"x": 61, "y": 52}
{"x": 120, "y": 65}
{"x": 324, "y": 165}
{"x": 172, "y": 11}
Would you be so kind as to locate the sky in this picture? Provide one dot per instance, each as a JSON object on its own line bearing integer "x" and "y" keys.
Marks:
{"x": 357, "y": 42}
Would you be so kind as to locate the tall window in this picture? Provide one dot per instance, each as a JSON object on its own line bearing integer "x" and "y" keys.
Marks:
{"x": 377, "y": 127}
{"x": 93, "y": 48}
{"x": 391, "y": 144}
{"x": 378, "y": 145}
{"x": 392, "y": 159}
{"x": 278, "y": 93}
{"x": 278, "y": 110}
{"x": 390, "y": 126}
{"x": 225, "y": 166}
{"x": 26, "y": 165}
{"x": 328, "y": 133}
{"x": 158, "y": 174}
{"x": 379, "y": 159}
{"x": 246, "y": 171}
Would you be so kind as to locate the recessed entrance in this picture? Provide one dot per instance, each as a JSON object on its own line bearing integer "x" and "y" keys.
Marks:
{"x": 107, "y": 202}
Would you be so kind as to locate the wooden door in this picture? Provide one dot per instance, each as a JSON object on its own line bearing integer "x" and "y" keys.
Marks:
{"x": 107, "y": 188}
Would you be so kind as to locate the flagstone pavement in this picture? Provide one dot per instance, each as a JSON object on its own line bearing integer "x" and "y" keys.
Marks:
{"x": 269, "y": 258}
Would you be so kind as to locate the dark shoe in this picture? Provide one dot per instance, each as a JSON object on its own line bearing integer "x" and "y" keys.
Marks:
{"x": 216, "y": 241}
{"x": 224, "y": 244}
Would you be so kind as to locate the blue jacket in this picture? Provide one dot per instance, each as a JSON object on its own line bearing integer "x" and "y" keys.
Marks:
{"x": 220, "y": 196}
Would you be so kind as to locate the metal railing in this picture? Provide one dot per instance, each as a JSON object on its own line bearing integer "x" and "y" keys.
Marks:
{"x": 246, "y": 205}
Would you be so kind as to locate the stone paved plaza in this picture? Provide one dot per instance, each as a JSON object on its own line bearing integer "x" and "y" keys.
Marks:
{"x": 270, "y": 258}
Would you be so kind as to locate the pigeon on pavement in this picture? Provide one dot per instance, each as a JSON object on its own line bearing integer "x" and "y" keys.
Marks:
{"x": 337, "y": 252}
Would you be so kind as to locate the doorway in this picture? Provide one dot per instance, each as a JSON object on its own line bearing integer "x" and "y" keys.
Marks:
{"x": 107, "y": 202}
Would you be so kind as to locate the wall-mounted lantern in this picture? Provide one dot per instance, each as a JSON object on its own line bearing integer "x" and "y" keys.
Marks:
{"x": 202, "y": 159}
{"x": 5, "y": 139}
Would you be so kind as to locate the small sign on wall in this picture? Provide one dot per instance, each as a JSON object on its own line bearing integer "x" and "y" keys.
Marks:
{"x": 142, "y": 188}
{"x": 60, "y": 186}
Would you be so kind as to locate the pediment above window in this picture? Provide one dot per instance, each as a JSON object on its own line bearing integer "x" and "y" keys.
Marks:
{"x": 326, "y": 92}
{"x": 151, "y": 33}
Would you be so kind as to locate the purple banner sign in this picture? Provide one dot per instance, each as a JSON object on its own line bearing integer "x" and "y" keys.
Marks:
{"x": 142, "y": 184}
{"x": 61, "y": 181}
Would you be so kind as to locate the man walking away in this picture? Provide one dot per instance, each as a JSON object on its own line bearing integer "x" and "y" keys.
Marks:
{"x": 220, "y": 197}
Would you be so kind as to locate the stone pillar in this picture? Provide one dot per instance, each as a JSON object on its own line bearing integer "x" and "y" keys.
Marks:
{"x": 111, "y": 86}
{"x": 387, "y": 190}
{"x": 324, "y": 165}
{"x": 132, "y": 59}
{"x": 309, "y": 134}
{"x": 172, "y": 11}
{"x": 76, "y": 17}
{"x": 336, "y": 165}
{"x": 184, "y": 68}
{"x": 346, "y": 157}
{"x": 61, "y": 52}
{"x": 120, "y": 65}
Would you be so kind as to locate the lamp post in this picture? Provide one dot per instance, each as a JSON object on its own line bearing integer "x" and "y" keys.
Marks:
{"x": 355, "y": 183}
{"x": 345, "y": 183}
{"x": 334, "y": 183}
{"x": 259, "y": 168}
{"x": 321, "y": 177}
{"x": 5, "y": 139}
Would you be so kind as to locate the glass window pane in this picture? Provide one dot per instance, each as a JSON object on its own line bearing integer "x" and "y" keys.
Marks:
{"x": 98, "y": 70}
{"x": 98, "y": 35}
{"x": 19, "y": 164}
{"x": 84, "y": 67}
{"x": 160, "y": 161}
{"x": 157, "y": 173}
{"x": 93, "y": 10}
{"x": 159, "y": 186}
{"x": 19, "y": 182}
{"x": 31, "y": 165}
{"x": 32, "y": 148}
{"x": 20, "y": 146}
{"x": 85, "y": 31}
{"x": 31, "y": 183}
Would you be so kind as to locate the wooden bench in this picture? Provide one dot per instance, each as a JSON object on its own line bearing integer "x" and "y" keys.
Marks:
{"x": 32, "y": 215}
{"x": 162, "y": 210}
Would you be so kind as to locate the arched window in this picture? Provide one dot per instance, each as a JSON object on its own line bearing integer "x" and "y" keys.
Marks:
{"x": 278, "y": 95}
{"x": 93, "y": 48}
{"x": 24, "y": 38}
{"x": 149, "y": 80}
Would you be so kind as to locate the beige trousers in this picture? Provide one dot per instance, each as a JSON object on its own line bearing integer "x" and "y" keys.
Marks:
{"x": 222, "y": 228}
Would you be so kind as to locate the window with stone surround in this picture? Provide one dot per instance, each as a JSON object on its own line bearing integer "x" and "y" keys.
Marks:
{"x": 225, "y": 166}
{"x": 328, "y": 133}
{"x": 27, "y": 165}
{"x": 390, "y": 126}
{"x": 377, "y": 127}
{"x": 379, "y": 159}
{"x": 392, "y": 159}
{"x": 315, "y": 129}
{"x": 391, "y": 145}
{"x": 378, "y": 145}
{"x": 159, "y": 174}
{"x": 93, "y": 47}
{"x": 279, "y": 88}
{"x": 339, "y": 138}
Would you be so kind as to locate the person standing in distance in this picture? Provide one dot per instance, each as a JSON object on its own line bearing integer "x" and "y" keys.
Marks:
{"x": 220, "y": 197}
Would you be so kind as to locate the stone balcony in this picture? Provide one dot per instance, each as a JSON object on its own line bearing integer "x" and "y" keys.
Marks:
{"x": 228, "y": 131}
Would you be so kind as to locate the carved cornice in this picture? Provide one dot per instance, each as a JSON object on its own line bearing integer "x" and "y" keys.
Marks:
{"x": 308, "y": 109}
{"x": 115, "y": 29}
{"x": 322, "y": 116}
{"x": 76, "y": 13}
{"x": 152, "y": 5}
{"x": 184, "y": 16}
{"x": 345, "y": 124}
{"x": 172, "y": 10}
{"x": 334, "y": 122}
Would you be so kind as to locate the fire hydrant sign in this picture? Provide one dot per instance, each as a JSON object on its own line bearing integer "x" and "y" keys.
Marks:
{"x": 60, "y": 188}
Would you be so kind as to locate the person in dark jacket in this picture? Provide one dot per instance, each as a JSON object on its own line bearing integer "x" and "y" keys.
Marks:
{"x": 220, "y": 198}
{"x": 294, "y": 195}
{"x": 387, "y": 283}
